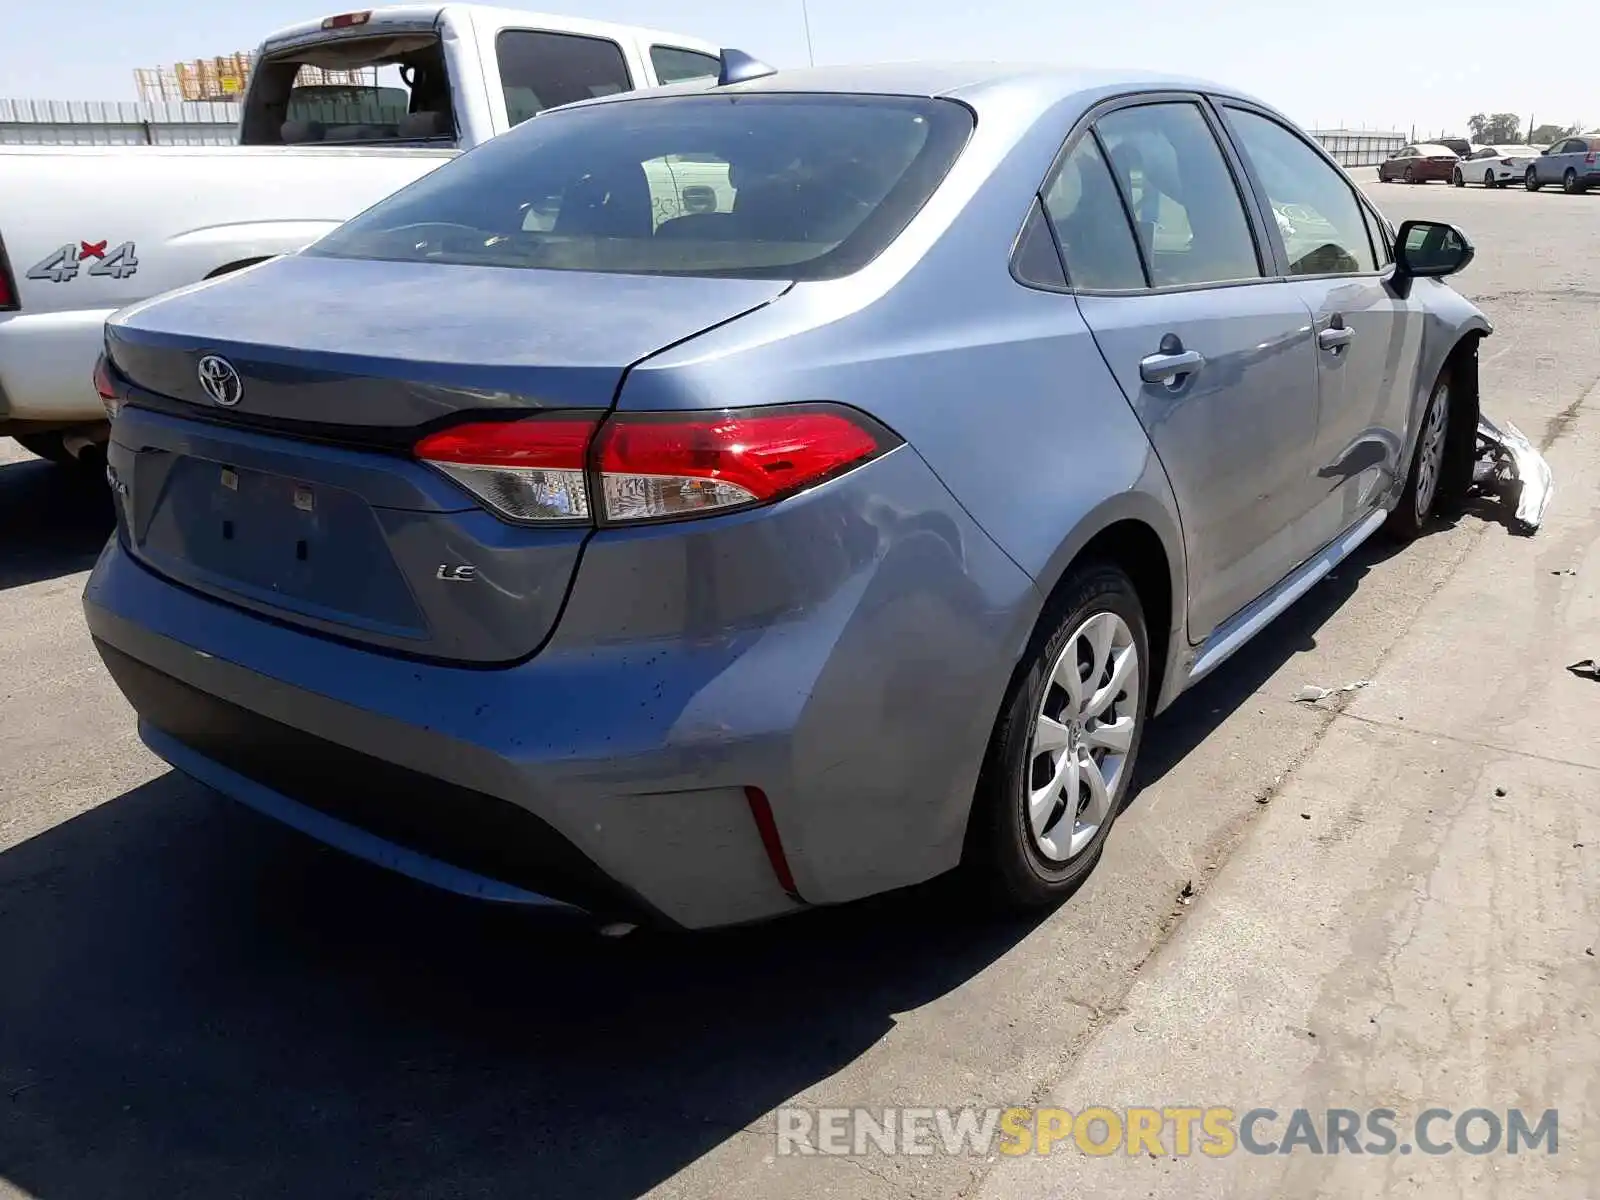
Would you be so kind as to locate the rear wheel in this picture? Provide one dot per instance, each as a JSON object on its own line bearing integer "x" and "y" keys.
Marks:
{"x": 1411, "y": 175}
{"x": 1531, "y": 180}
{"x": 1061, "y": 759}
{"x": 1570, "y": 184}
{"x": 1457, "y": 178}
{"x": 1489, "y": 180}
{"x": 1421, "y": 496}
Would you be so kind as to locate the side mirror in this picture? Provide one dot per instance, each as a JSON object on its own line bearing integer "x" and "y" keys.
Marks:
{"x": 1428, "y": 249}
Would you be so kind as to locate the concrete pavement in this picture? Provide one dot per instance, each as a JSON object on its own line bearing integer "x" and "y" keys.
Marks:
{"x": 1413, "y": 920}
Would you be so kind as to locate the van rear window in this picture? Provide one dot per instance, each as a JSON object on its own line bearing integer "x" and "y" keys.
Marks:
{"x": 765, "y": 186}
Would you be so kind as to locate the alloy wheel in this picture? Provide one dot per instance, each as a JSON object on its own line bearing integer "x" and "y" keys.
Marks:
{"x": 1430, "y": 455}
{"x": 1082, "y": 734}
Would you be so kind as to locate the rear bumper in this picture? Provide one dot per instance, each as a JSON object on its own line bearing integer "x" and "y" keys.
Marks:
{"x": 47, "y": 365}
{"x": 610, "y": 771}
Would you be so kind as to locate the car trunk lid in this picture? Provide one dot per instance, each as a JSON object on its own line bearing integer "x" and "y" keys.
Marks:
{"x": 291, "y": 490}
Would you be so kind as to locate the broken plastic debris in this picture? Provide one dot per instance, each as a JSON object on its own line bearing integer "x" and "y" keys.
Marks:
{"x": 1587, "y": 669}
{"x": 1311, "y": 693}
{"x": 1509, "y": 467}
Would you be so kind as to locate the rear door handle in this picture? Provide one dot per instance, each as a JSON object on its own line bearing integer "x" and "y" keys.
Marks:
{"x": 1170, "y": 368}
{"x": 1335, "y": 336}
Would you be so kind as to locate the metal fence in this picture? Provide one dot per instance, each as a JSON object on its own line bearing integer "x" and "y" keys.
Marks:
{"x": 117, "y": 123}
{"x": 1359, "y": 147}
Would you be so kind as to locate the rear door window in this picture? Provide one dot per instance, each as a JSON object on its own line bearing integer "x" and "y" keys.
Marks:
{"x": 1186, "y": 206}
{"x": 771, "y": 186}
{"x": 540, "y": 70}
{"x": 1091, "y": 224}
{"x": 673, "y": 65}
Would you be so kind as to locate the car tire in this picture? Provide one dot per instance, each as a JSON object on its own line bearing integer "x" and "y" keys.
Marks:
{"x": 1489, "y": 180}
{"x": 1531, "y": 180}
{"x": 1430, "y": 463}
{"x": 1570, "y": 184}
{"x": 1013, "y": 819}
{"x": 1457, "y": 178}
{"x": 1410, "y": 175}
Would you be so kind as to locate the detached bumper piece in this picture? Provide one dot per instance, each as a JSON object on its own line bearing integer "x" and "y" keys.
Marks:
{"x": 1510, "y": 469}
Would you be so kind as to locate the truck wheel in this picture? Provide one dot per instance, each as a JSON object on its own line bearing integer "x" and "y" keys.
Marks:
{"x": 1062, "y": 755}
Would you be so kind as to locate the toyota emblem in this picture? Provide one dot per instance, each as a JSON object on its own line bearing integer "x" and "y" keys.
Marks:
{"x": 220, "y": 380}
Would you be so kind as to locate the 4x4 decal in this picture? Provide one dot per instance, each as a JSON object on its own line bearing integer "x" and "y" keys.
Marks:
{"x": 63, "y": 264}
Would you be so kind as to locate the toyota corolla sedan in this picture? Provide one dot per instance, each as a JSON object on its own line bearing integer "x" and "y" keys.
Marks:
{"x": 710, "y": 505}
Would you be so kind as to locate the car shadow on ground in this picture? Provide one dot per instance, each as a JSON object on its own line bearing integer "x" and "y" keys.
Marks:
{"x": 1192, "y": 717}
{"x": 200, "y": 1003}
{"x": 53, "y": 520}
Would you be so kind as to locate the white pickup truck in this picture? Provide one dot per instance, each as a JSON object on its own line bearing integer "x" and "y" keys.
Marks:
{"x": 85, "y": 231}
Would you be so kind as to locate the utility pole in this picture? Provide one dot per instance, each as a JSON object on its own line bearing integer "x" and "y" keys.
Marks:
{"x": 805, "y": 15}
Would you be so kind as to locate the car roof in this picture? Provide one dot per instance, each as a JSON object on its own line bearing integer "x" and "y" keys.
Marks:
{"x": 967, "y": 81}
{"x": 1427, "y": 147}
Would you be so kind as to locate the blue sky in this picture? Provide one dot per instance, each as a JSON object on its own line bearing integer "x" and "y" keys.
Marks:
{"x": 1324, "y": 63}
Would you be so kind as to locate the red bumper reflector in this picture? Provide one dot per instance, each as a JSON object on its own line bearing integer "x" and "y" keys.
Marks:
{"x": 761, "y": 810}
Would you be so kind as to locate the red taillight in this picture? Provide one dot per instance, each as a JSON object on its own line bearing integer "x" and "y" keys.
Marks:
{"x": 346, "y": 20}
{"x": 651, "y": 466}
{"x": 1589, "y": 157}
{"x": 529, "y": 470}
{"x": 678, "y": 464}
{"x": 104, "y": 385}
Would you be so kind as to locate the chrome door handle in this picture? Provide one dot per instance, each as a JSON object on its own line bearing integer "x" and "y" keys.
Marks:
{"x": 1170, "y": 368}
{"x": 1335, "y": 336}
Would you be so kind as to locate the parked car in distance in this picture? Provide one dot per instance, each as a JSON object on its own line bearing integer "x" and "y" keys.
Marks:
{"x": 711, "y": 565}
{"x": 1572, "y": 162}
{"x": 1420, "y": 163}
{"x": 1493, "y": 166}
{"x": 89, "y": 229}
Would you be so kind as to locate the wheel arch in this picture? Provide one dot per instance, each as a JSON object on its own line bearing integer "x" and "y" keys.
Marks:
{"x": 1140, "y": 535}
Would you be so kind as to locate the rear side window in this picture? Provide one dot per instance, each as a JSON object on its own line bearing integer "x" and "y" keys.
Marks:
{"x": 771, "y": 186}
{"x": 1317, "y": 213}
{"x": 675, "y": 66}
{"x": 1185, "y": 204}
{"x": 1091, "y": 224}
{"x": 540, "y": 70}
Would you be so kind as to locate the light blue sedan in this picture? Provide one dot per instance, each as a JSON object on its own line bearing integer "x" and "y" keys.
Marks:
{"x": 713, "y": 504}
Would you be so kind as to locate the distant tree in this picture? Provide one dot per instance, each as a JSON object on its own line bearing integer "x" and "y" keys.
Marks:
{"x": 1497, "y": 129}
{"x": 1545, "y": 134}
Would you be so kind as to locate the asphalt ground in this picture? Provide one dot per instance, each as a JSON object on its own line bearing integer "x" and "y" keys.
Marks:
{"x": 196, "y": 1002}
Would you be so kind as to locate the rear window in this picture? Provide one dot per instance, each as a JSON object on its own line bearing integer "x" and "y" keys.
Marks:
{"x": 352, "y": 92}
{"x": 772, "y": 186}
